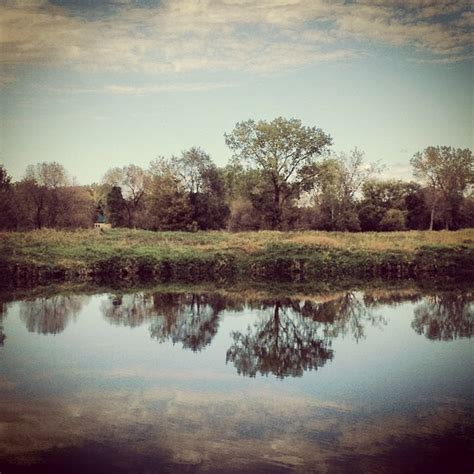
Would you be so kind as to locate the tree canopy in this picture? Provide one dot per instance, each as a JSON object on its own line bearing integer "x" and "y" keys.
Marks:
{"x": 284, "y": 150}
{"x": 283, "y": 175}
{"x": 448, "y": 172}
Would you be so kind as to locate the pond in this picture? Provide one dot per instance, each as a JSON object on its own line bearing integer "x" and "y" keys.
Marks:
{"x": 160, "y": 380}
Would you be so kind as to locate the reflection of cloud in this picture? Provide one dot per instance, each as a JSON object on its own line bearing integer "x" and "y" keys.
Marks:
{"x": 237, "y": 430}
{"x": 184, "y": 35}
{"x": 6, "y": 384}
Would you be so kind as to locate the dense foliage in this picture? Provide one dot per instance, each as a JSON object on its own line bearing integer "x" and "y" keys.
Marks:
{"x": 282, "y": 177}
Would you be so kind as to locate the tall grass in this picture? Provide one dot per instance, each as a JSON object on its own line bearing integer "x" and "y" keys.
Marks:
{"x": 294, "y": 256}
{"x": 83, "y": 242}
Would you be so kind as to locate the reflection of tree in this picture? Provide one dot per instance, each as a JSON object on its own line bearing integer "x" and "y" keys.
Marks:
{"x": 50, "y": 315}
{"x": 3, "y": 313}
{"x": 381, "y": 297}
{"x": 297, "y": 337}
{"x": 444, "y": 317}
{"x": 128, "y": 310}
{"x": 187, "y": 318}
{"x": 346, "y": 314}
{"x": 285, "y": 344}
{"x": 182, "y": 317}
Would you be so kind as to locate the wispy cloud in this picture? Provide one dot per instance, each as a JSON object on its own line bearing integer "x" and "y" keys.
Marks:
{"x": 179, "y": 36}
{"x": 151, "y": 89}
{"x": 402, "y": 171}
{"x": 138, "y": 90}
{"x": 6, "y": 79}
{"x": 444, "y": 59}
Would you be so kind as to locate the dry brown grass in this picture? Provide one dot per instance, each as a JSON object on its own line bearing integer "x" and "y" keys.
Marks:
{"x": 72, "y": 244}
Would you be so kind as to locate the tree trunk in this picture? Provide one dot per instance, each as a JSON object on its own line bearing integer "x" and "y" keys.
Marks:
{"x": 38, "y": 218}
{"x": 432, "y": 218}
{"x": 276, "y": 224}
{"x": 129, "y": 214}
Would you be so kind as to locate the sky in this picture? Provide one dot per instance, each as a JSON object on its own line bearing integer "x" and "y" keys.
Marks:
{"x": 94, "y": 85}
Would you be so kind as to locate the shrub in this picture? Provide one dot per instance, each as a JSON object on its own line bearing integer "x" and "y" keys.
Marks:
{"x": 393, "y": 219}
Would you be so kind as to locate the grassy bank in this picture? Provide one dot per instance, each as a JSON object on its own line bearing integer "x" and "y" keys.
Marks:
{"x": 221, "y": 256}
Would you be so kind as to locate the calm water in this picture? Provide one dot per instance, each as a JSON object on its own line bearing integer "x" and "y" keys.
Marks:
{"x": 352, "y": 381}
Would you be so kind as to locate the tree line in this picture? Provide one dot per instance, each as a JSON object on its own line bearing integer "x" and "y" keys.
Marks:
{"x": 282, "y": 176}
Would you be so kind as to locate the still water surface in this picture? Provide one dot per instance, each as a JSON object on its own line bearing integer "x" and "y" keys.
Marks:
{"x": 351, "y": 381}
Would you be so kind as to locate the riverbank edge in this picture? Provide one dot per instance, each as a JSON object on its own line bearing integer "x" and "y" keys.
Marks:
{"x": 279, "y": 263}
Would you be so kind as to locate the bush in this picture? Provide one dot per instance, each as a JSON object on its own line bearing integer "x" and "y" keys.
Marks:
{"x": 393, "y": 219}
{"x": 243, "y": 217}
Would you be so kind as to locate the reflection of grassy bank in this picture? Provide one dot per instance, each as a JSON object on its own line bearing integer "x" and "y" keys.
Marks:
{"x": 392, "y": 291}
{"x": 221, "y": 256}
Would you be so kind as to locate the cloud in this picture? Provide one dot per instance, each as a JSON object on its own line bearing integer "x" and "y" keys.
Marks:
{"x": 444, "y": 59}
{"x": 136, "y": 90}
{"x": 180, "y": 36}
{"x": 6, "y": 79}
{"x": 402, "y": 171}
{"x": 152, "y": 89}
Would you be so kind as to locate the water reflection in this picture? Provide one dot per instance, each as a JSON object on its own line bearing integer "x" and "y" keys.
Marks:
{"x": 50, "y": 315}
{"x": 133, "y": 403}
{"x": 128, "y": 310}
{"x": 344, "y": 315}
{"x": 444, "y": 317}
{"x": 297, "y": 337}
{"x": 205, "y": 432}
{"x": 189, "y": 319}
{"x": 165, "y": 430}
{"x": 3, "y": 313}
{"x": 296, "y": 334}
{"x": 381, "y": 296}
{"x": 285, "y": 343}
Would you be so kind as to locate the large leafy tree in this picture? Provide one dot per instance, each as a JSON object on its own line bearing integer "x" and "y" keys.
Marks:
{"x": 448, "y": 173}
{"x": 116, "y": 207}
{"x": 8, "y": 218}
{"x": 285, "y": 151}
{"x": 168, "y": 203}
{"x": 205, "y": 188}
{"x": 133, "y": 181}
{"x": 338, "y": 180}
{"x": 44, "y": 182}
{"x": 391, "y": 205}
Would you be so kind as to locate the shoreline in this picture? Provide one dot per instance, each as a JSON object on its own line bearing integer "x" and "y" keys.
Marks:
{"x": 85, "y": 256}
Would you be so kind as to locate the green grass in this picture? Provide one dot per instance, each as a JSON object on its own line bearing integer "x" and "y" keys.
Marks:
{"x": 181, "y": 256}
